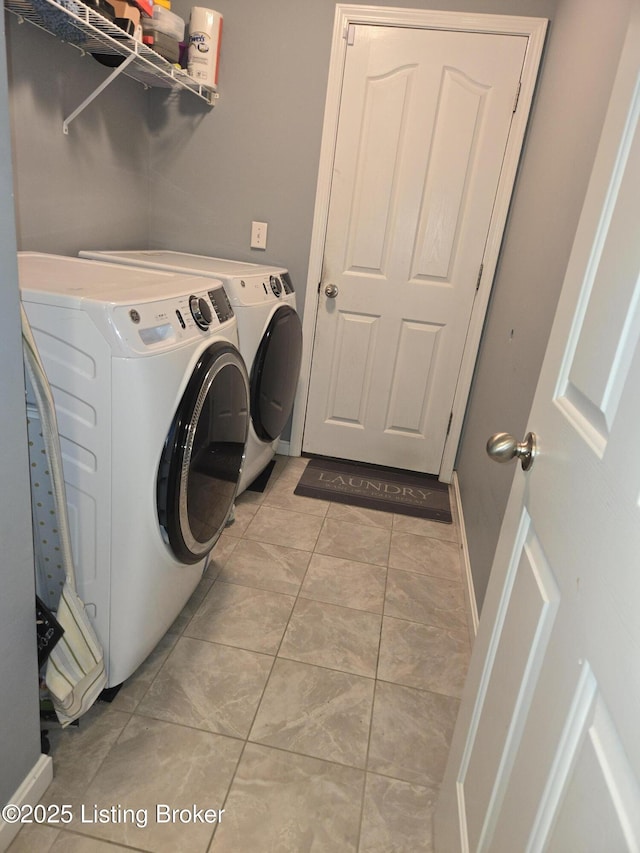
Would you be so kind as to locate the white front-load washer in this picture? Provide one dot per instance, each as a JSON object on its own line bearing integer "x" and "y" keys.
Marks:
{"x": 269, "y": 330}
{"x": 152, "y": 400}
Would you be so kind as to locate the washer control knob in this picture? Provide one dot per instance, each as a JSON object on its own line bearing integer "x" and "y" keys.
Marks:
{"x": 201, "y": 311}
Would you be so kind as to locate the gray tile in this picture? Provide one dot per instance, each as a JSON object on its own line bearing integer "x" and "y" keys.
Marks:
{"x": 290, "y": 803}
{"x": 134, "y": 688}
{"x": 207, "y": 686}
{"x": 411, "y": 733}
{"x": 241, "y": 616}
{"x": 335, "y": 637}
{"x": 34, "y": 837}
{"x": 397, "y": 817}
{"x": 256, "y": 498}
{"x": 423, "y": 598}
{"x": 360, "y": 515}
{"x": 197, "y": 597}
{"x": 293, "y": 529}
{"x": 361, "y": 542}
{"x": 426, "y": 556}
{"x": 317, "y": 712}
{"x": 282, "y": 465}
{"x": 288, "y": 467}
{"x": 423, "y": 656}
{"x": 243, "y": 516}
{"x": 219, "y": 555}
{"x": 299, "y": 785}
{"x": 161, "y": 764}
{"x": 67, "y": 842}
{"x": 78, "y": 751}
{"x": 248, "y": 497}
{"x": 426, "y": 527}
{"x": 265, "y": 566}
{"x": 282, "y": 496}
{"x": 44, "y": 839}
{"x": 345, "y": 582}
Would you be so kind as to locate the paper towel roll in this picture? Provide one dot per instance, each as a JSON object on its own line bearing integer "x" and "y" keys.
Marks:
{"x": 205, "y": 35}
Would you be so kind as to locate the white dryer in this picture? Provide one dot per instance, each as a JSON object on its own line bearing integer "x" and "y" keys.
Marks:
{"x": 270, "y": 333}
{"x": 152, "y": 399}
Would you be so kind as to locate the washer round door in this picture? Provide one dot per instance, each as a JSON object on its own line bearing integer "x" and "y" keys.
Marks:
{"x": 275, "y": 372}
{"x": 203, "y": 455}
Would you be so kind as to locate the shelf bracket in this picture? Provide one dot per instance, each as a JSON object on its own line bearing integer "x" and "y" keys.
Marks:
{"x": 115, "y": 73}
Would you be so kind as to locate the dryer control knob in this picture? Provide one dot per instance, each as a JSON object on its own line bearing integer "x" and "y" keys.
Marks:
{"x": 201, "y": 311}
{"x": 276, "y": 285}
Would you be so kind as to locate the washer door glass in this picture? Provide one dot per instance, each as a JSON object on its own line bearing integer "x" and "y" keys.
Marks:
{"x": 275, "y": 372}
{"x": 203, "y": 454}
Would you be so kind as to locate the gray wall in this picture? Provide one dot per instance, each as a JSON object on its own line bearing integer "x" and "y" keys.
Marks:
{"x": 20, "y": 728}
{"x": 583, "y": 49}
{"x": 90, "y": 186}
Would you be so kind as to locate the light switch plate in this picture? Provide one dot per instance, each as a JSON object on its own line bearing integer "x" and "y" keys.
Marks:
{"x": 258, "y": 235}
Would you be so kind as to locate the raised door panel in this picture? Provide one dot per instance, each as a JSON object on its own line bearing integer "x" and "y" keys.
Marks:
{"x": 605, "y": 329}
{"x": 371, "y": 221}
{"x": 453, "y": 147}
{"x": 352, "y": 369}
{"x": 418, "y": 344}
{"x": 519, "y": 644}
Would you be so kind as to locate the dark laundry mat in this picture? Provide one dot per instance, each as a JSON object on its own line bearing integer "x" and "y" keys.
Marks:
{"x": 260, "y": 482}
{"x": 374, "y": 487}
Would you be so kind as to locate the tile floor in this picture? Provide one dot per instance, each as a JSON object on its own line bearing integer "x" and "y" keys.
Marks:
{"x": 309, "y": 688}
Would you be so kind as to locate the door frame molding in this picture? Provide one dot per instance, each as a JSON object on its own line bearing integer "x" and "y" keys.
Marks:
{"x": 534, "y": 29}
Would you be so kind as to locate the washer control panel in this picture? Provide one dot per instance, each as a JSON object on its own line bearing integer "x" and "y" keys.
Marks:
{"x": 147, "y": 325}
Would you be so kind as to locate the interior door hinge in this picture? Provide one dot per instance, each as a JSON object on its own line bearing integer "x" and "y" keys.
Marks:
{"x": 449, "y": 424}
{"x": 350, "y": 34}
{"x": 479, "y": 277}
{"x": 515, "y": 105}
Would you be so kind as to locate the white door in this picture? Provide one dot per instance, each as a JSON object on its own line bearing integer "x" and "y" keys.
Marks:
{"x": 423, "y": 126}
{"x": 546, "y": 754}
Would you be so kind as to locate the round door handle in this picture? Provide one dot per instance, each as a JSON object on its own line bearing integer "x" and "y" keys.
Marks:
{"x": 503, "y": 447}
{"x": 331, "y": 291}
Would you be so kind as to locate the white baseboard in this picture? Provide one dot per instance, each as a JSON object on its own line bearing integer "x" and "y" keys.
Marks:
{"x": 29, "y": 793}
{"x": 284, "y": 448}
{"x": 472, "y": 607}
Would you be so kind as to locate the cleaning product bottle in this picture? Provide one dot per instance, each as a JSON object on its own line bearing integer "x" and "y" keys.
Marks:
{"x": 205, "y": 33}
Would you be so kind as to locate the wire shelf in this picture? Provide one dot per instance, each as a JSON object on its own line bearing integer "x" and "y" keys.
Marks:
{"x": 73, "y": 22}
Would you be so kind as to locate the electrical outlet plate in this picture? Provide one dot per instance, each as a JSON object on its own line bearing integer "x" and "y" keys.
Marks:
{"x": 258, "y": 235}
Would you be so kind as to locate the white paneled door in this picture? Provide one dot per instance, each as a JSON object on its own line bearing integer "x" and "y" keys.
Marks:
{"x": 423, "y": 125}
{"x": 546, "y": 753}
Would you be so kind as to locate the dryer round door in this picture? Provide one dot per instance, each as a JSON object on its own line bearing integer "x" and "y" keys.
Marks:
{"x": 203, "y": 454}
{"x": 275, "y": 372}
